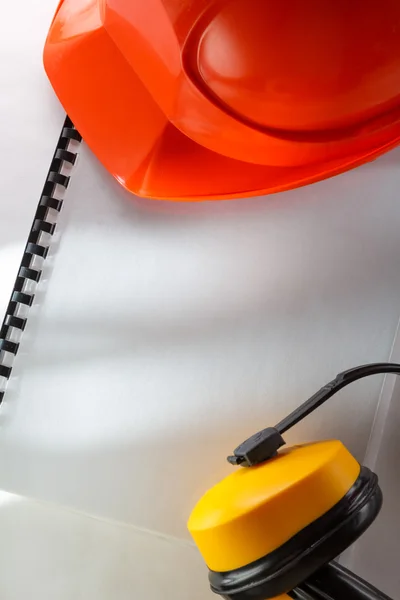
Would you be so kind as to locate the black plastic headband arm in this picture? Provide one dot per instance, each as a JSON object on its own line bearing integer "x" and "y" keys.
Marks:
{"x": 334, "y": 582}
{"x": 264, "y": 444}
{"x": 331, "y": 388}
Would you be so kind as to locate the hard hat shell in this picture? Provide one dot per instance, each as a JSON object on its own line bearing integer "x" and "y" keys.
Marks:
{"x": 194, "y": 99}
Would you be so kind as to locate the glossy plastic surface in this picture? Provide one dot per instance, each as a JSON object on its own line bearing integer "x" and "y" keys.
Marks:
{"x": 190, "y": 99}
{"x": 255, "y": 510}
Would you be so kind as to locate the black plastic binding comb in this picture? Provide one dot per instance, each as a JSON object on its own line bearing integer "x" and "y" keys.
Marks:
{"x": 44, "y": 224}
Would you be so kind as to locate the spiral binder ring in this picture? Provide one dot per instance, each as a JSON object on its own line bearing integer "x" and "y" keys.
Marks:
{"x": 29, "y": 275}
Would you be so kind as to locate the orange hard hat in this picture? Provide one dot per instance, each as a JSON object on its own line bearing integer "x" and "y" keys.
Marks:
{"x": 192, "y": 99}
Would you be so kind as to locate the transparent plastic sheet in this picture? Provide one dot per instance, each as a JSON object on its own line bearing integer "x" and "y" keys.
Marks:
{"x": 161, "y": 334}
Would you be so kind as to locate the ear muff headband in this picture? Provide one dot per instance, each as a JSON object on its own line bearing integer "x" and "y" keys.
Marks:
{"x": 264, "y": 444}
{"x": 267, "y": 506}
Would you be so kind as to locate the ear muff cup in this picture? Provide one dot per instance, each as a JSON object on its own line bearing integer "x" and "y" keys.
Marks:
{"x": 317, "y": 544}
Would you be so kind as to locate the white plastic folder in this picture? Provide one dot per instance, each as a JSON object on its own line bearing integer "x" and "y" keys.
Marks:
{"x": 163, "y": 334}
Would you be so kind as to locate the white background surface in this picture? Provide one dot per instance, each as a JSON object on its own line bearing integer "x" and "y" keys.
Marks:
{"x": 164, "y": 334}
{"x": 30, "y": 121}
{"x": 48, "y": 553}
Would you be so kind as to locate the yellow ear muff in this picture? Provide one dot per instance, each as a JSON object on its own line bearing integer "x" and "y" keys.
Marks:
{"x": 275, "y": 526}
{"x": 254, "y": 511}
{"x": 265, "y": 529}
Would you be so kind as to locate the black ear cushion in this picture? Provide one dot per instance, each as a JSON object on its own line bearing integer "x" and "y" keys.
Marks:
{"x": 306, "y": 552}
